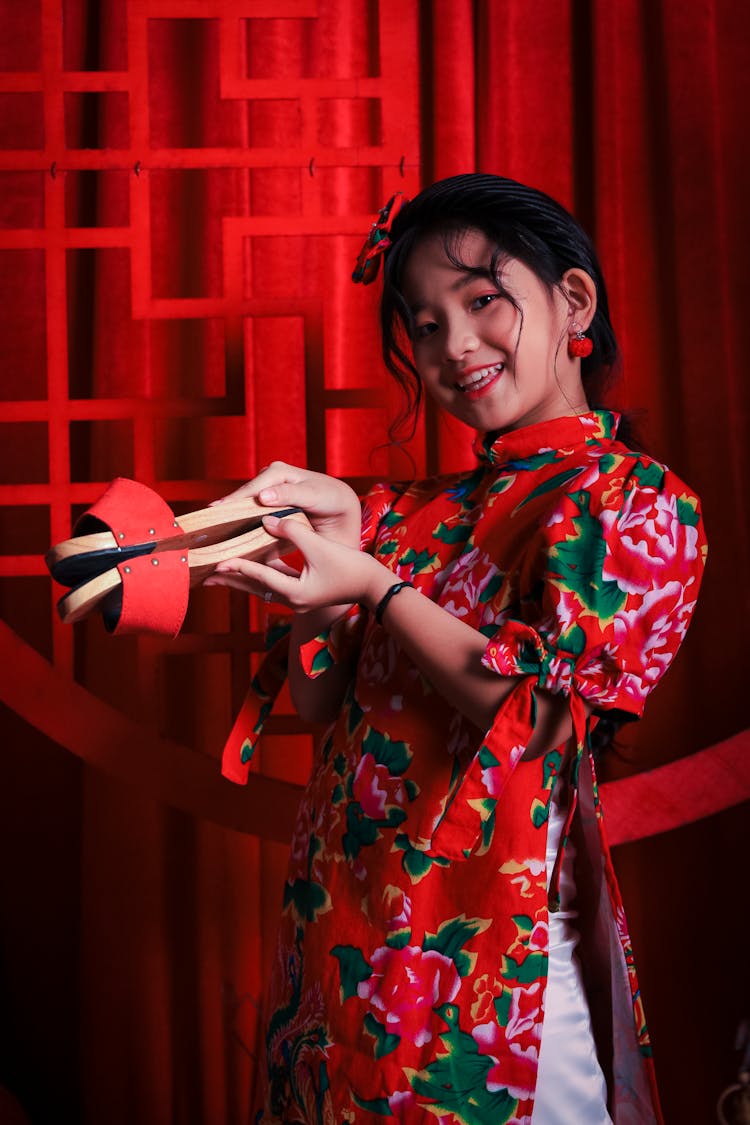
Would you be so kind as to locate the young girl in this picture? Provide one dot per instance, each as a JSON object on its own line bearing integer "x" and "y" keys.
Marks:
{"x": 452, "y": 942}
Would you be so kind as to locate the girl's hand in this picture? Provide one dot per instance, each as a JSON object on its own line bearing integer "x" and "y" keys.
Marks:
{"x": 333, "y": 574}
{"x": 331, "y": 506}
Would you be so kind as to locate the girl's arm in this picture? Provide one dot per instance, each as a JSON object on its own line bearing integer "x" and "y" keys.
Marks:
{"x": 447, "y": 650}
{"x": 333, "y": 510}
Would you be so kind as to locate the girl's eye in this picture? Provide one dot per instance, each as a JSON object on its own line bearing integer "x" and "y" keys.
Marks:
{"x": 423, "y": 330}
{"x": 484, "y": 300}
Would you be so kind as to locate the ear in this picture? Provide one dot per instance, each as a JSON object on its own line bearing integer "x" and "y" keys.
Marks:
{"x": 580, "y": 292}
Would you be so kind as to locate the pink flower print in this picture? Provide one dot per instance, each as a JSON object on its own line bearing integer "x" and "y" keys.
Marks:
{"x": 406, "y": 984}
{"x": 523, "y": 1021}
{"x": 398, "y": 910}
{"x": 651, "y": 625}
{"x": 651, "y": 540}
{"x": 378, "y": 658}
{"x": 494, "y": 778}
{"x": 516, "y": 1072}
{"x": 539, "y": 938}
{"x": 376, "y": 789}
{"x": 401, "y": 1104}
{"x": 514, "y": 1047}
{"x": 467, "y": 582}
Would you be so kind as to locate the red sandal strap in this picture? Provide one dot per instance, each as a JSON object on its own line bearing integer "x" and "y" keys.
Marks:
{"x": 133, "y": 512}
{"x": 155, "y": 591}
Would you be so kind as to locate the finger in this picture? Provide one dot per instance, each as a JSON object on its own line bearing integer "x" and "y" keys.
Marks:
{"x": 294, "y": 492}
{"x": 275, "y": 473}
{"x": 288, "y": 531}
{"x": 234, "y": 582}
{"x": 244, "y": 574}
{"x": 282, "y": 567}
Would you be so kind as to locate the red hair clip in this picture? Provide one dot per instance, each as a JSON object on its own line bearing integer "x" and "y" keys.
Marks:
{"x": 378, "y": 240}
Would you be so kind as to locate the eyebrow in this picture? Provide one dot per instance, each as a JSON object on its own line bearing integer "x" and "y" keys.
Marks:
{"x": 476, "y": 273}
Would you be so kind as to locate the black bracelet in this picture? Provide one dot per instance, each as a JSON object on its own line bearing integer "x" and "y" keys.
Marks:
{"x": 391, "y": 593}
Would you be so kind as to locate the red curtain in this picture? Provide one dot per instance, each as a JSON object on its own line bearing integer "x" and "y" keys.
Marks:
{"x": 184, "y": 189}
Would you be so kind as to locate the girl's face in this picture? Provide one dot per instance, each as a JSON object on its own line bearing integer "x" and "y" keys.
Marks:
{"x": 490, "y": 364}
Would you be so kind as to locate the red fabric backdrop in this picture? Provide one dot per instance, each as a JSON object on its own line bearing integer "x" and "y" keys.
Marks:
{"x": 184, "y": 188}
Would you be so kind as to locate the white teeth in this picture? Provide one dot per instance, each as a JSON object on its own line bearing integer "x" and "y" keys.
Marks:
{"x": 477, "y": 377}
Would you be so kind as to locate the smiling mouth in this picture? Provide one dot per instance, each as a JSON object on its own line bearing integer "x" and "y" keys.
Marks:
{"x": 478, "y": 379}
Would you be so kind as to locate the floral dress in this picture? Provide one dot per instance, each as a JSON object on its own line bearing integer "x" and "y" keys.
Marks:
{"x": 410, "y": 977}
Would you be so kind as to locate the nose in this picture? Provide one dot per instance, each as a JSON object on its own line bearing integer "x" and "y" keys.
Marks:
{"x": 460, "y": 338}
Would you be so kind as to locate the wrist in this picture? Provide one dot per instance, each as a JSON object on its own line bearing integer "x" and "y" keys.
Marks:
{"x": 379, "y": 581}
{"x": 388, "y": 596}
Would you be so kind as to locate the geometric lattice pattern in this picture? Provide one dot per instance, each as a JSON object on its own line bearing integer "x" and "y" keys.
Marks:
{"x": 183, "y": 281}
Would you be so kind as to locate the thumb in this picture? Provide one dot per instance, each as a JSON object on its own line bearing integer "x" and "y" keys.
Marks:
{"x": 294, "y": 529}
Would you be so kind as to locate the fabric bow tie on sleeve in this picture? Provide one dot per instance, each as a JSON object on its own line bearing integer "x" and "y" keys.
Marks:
{"x": 378, "y": 240}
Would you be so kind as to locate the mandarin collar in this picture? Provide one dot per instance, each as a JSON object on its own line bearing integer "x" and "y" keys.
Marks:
{"x": 558, "y": 435}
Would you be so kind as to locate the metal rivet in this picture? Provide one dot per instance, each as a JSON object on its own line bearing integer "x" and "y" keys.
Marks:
{"x": 183, "y": 558}
{"x": 120, "y": 534}
{"x": 126, "y": 569}
{"x": 151, "y": 531}
{"x": 154, "y": 562}
{"x": 174, "y": 523}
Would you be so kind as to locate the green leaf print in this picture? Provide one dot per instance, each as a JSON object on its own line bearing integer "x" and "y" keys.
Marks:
{"x": 399, "y": 939}
{"x": 308, "y": 898}
{"x": 687, "y": 512}
{"x": 550, "y": 485}
{"x": 533, "y": 966}
{"x": 488, "y": 825}
{"x": 452, "y": 936}
{"x": 577, "y": 565}
{"x": 391, "y": 518}
{"x": 415, "y": 863}
{"x": 456, "y": 1082}
{"x": 459, "y": 533}
{"x": 322, "y": 661}
{"x": 352, "y": 967}
{"x": 492, "y": 588}
{"x": 419, "y": 560}
{"x": 412, "y": 789}
{"x": 651, "y": 475}
{"x": 384, "y": 1043}
{"x": 339, "y": 764}
{"x": 539, "y": 812}
{"x": 524, "y": 925}
{"x": 388, "y": 548}
{"x": 538, "y": 460}
{"x": 502, "y": 484}
{"x": 374, "y": 1105}
{"x": 361, "y": 830}
{"x": 387, "y": 752}
{"x": 502, "y": 1007}
{"x": 572, "y": 642}
{"x": 608, "y": 463}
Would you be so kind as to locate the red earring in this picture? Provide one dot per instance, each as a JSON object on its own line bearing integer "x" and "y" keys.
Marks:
{"x": 580, "y": 345}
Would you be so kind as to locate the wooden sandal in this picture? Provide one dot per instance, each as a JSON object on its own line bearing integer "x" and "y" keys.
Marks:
{"x": 130, "y": 520}
{"x": 149, "y": 592}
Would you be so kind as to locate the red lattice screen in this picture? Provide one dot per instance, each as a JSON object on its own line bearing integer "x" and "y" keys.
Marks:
{"x": 186, "y": 186}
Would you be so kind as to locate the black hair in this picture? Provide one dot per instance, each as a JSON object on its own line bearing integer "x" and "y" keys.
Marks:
{"x": 522, "y": 223}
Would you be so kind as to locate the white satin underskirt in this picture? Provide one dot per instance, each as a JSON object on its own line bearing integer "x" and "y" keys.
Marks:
{"x": 570, "y": 1084}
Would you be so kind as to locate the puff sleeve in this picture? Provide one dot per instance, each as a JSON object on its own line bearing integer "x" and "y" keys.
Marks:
{"x": 595, "y": 610}
{"x": 606, "y": 590}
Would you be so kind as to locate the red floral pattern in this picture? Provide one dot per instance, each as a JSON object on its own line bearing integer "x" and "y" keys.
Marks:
{"x": 411, "y": 977}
